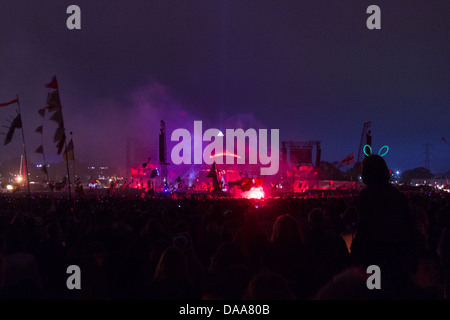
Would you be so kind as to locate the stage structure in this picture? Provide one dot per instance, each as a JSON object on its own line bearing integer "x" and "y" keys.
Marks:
{"x": 299, "y": 172}
{"x": 140, "y": 164}
{"x": 301, "y": 153}
{"x": 163, "y": 153}
{"x": 143, "y": 168}
{"x": 366, "y": 139}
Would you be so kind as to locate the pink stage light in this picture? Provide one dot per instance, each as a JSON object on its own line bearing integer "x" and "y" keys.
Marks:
{"x": 221, "y": 154}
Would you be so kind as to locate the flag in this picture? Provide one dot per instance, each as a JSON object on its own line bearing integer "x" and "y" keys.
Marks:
{"x": 8, "y": 103}
{"x": 15, "y": 124}
{"x": 52, "y": 84}
{"x": 68, "y": 155}
{"x": 60, "y": 144}
{"x": 54, "y": 105}
{"x": 53, "y": 101}
{"x": 443, "y": 139}
{"x": 42, "y": 112}
{"x": 348, "y": 160}
{"x": 57, "y": 116}
{"x": 213, "y": 174}
{"x": 59, "y": 134}
{"x": 40, "y": 129}
{"x": 60, "y": 137}
{"x": 40, "y": 149}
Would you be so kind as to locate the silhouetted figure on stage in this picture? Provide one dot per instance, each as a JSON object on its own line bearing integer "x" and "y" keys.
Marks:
{"x": 385, "y": 229}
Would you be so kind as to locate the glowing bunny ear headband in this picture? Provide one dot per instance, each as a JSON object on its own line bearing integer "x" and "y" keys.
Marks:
{"x": 380, "y": 153}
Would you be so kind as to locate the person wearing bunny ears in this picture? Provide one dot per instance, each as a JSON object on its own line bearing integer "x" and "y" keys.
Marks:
{"x": 385, "y": 230}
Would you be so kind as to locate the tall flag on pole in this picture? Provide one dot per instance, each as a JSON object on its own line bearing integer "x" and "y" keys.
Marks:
{"x": 40, "y": 149}
{"x": 15, "y": 124}
{"x": 52, "y": 84}
{"x": 54, "y": 106}
{"x": 348, "y": 159}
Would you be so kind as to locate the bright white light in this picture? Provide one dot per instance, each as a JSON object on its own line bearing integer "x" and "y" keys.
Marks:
{"x": 19, "y": 179}
{"x": 398, "y": 172}
{"x": 254, "y": 193}
{"x": 9, "y": 187}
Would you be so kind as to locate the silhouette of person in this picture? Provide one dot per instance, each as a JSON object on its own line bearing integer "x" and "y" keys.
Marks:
{"x": 252, "y": 240}
{"x": 171, "y": 279}
{"x": 268, "y": 285}
{"x": 287, "y": 255}
{"x": 228, "y": 274}
{"x": 349, "y": 284}
{"x": 425, "y": 276}
{"x": 20, "y": 274}
{"x": 385, "y": 229}
{"x": 327, "y": 251}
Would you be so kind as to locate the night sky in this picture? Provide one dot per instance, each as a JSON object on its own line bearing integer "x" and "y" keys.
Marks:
{"x": 309, "y": 68}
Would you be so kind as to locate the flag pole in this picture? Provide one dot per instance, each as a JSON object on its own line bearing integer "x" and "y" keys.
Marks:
{"x": 65, "y": 143}
{"x": 74, "y": 172}
{"x": 27, "y": 180}
{"x": 67, "y": 165}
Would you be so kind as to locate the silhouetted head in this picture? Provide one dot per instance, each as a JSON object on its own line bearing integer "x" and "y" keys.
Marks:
{"x": 227, "y": 255}
{"x": 315, "y": 218}
{"x": 268, "y": 285}
{"x": 54, "y": 230}
{"x": 375, "y": 170}
{"x": 286, "y": 230}
{"x": 172, "y": 264}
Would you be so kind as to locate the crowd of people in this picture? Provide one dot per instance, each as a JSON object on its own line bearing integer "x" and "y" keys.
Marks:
{"x": 206, "y": 248}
